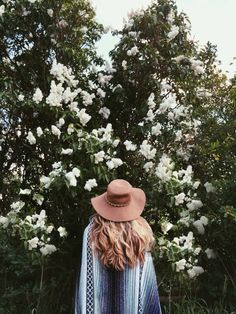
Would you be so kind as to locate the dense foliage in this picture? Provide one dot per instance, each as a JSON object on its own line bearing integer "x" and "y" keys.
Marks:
{"x": 160, "y": 115}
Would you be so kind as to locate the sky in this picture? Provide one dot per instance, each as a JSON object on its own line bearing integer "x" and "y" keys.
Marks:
{"x": 211, "y": 20}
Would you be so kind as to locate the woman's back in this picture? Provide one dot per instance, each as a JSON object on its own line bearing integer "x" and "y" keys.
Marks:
{"x": 103, "y": 290}
{"x": 117, "y": 274}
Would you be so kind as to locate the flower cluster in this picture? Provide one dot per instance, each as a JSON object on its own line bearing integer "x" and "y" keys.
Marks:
{"x": 68, "y": 102}
{"x": 33, "y": 229}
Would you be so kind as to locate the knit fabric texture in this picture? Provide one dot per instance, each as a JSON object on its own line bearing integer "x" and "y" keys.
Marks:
{"x": 101, "y": 290}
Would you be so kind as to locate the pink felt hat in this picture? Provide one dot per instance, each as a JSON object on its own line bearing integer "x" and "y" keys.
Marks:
{"x": 120, "y": 202}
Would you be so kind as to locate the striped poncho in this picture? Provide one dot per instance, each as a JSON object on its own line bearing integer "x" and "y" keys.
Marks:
{"x": 101, "y": 290}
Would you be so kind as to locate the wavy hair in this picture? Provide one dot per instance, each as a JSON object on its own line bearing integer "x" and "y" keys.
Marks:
{"x": 120, "y": 243}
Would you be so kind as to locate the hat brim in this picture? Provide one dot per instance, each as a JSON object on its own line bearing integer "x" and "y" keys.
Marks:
{"x": 122, "y": 213}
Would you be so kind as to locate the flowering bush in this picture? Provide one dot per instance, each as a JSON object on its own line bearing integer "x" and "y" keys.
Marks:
{"x": 158, "y": 72}
{"x": 71, "y": 143}
{"x": 54, "y": 150}
{"x": 71, "y": 122}
{"x": 165, "y": 95}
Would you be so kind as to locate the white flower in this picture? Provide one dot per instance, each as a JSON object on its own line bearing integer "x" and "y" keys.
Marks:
{"x": 151, "y": 103}
{"x": 45, "y": 181}
{"x": 204, "y": 220}
{"x": 33, "y": 243}
{"x": 116, "y": 142}
{"x": 39, "y": 131}
{"x": 57, "y": 168}
{"x": 71, "y": 178}
{"x": 168, "y": 103}
{"x": 165, "y": 87}
{"x": 196, "y": 184}
{"x": 198, "y": 70}
{"x": 87, "y": 98}
{"x": 16, "y": 206}
{"x": 194, "y": 204}
{"x": 49, "y": 229}
{"x": 42, "y": 213}
{"x": 171, "y": 116}
{"x": 147, "y": 151}
{"x": 171, "y": 16}
{"x": 90, "y": 184}
{"x": 129, "y": 145}
{"x": 164, "y": 168}
{"x": 25, "y": 191}
{"x": 156, "y": 129}
{"x": 70, "y": 128}
{"x": 76, "y": 171}
{"x": 209, "y": 187}
{"x": 99, "y": 156}
{"x": 55, "y": 97}
{"x": 197, "y": 66}
{"x": 210, "y": 253}
{"x": 50, "y": 12}
{"x": 185, "y": 221}
{"x": 68, "y": 95}
{"x": 150, "y": 115}
{"x": 197, "y": 251}
{"x": 48, "y": 249}
{"x": 124, "y": 64}
{"x": 178, "y": 135}
{"x": 62, "y": 231}
{"x": 105, "y": 112}
{"x": 178, "y": 111}
{"x": 55, "y": 131}
{"x": 62, "y": 23}
{"x": 2, "y": 9}
{"x": 180, "y": 265}
{"x": 187, "y": 175}
{"x": 202, "y": 92}
{"x": 21, "y": 97}
{"x": 38, "y": 198}
{"x": 176, "y": 240}
{"x": 199, "y": 226}
{"x": 166, "y": 226}
{"x": 114, "y": 163}
{"x": 28, "y": 219}
{"x": 38, "y": 95}
{"x": 31, "y": 139}
{"x": 60, "y": 122}
{"x": 83, "y": 116}
{"x": 133, "y": 51}
{"x": 4, "y": 222}
{"x": 173, "y": 32}
{"x": 188, "y": 241}
{"x": 148, "y": 165}
{"x": 56, "y": 165}
{"x": 195, "y": 271}
{"x": 63, "y": 73}
{"x": 66, "y": 151}
{"x": 179, "y": 199}
{"x": 101, "y": 93}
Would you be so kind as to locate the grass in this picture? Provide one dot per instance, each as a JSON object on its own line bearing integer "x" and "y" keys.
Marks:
{"x": 196, "y": 307}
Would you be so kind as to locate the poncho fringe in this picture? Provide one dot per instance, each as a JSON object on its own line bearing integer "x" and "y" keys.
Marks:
{"x": 100, "y": 290}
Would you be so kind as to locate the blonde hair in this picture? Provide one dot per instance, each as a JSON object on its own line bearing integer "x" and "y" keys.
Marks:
{"x": 120, "y": 243}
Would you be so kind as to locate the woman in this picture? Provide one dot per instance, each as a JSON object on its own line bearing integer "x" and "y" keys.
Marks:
{"x": 117, "y": 274}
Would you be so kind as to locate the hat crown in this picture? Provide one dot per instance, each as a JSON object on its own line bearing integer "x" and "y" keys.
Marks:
{"x": 120, "y": 202}
{"x": 119, "y": 192}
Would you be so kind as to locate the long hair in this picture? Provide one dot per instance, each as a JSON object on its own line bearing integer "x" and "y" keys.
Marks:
{"x": 120, "y": 243}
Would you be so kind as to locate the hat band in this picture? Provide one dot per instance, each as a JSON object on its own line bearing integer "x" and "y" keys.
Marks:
{"x": 115, "y": 204}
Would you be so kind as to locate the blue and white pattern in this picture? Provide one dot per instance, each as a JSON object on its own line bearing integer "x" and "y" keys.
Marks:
{"x": 100, "y": 290}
